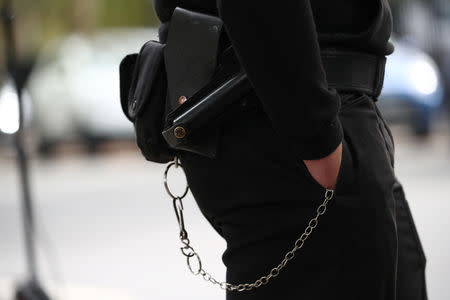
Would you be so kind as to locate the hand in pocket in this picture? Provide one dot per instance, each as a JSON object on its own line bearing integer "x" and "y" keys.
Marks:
{"x": 325, "y": 170}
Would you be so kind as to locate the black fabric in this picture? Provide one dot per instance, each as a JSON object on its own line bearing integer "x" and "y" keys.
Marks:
{"x": 351, "y": 71}
{"x": 360, "y": 25}
{"x": 259, "y": 198}
{"x": 278, "y": 43}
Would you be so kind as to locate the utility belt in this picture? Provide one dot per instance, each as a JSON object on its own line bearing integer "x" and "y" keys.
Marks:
{"x": 178, "y": 91}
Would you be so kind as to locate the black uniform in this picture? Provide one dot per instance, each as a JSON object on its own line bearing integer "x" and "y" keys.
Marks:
{"x": 259, "y": 195}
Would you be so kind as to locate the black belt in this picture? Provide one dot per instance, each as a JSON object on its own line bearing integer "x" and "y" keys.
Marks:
{"x": 347, "y": 72}
{"x": 351, "y": 71}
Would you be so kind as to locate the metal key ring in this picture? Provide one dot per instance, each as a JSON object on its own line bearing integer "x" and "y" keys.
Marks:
{"x": 188, "y": 258}
{"x": 165, "y": 179}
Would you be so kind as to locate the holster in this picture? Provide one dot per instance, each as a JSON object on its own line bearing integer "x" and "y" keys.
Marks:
{"x": 198, "y": 60}
{"x": 177, "y": 93}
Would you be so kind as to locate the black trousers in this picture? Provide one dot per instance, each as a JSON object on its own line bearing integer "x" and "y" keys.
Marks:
{"x": 260, "y": 200}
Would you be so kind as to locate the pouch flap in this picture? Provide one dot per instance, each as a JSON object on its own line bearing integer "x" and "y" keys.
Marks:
{"x": 193, "y": 44}
{"x": 126, "y": 70}
{"x": 149, "y": 65}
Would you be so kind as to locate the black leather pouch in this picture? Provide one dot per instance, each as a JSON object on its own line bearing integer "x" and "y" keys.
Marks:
{"x": 196, "y": 64}
{"x": 194, "y": 43}
{"x": 143, "y": 92}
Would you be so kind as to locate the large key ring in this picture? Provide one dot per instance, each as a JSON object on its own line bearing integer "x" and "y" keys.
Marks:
{"x": 177, "y": 164}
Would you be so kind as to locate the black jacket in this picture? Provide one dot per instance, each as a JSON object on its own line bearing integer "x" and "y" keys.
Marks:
{"x": 278, "y": 44}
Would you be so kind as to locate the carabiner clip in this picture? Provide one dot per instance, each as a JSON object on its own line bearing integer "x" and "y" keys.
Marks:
{"x": 178, "y": 207}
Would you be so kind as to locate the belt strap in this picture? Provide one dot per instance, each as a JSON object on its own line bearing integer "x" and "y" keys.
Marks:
{"x": 351, "y": 71}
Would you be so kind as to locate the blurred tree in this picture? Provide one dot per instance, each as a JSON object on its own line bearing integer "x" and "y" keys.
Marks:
{"x": 133, "y": 13}
{"x": 38, "y": 21}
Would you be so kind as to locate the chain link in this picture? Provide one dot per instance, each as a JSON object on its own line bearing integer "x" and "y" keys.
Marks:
{"x": 188, "y": 251}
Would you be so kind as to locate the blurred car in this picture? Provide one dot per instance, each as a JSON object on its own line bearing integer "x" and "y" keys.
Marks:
{"x": 427, "y": 25}
{"x": 442, "y": 43}
{"x": 413, "y": 89}
{"x": 75, "y": 87}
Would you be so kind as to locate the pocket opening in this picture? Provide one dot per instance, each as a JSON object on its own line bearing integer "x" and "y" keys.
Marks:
{"x": 342, "y": 172}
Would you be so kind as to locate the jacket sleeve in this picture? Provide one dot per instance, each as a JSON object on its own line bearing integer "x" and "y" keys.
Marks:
{"x": 277, "y": 45}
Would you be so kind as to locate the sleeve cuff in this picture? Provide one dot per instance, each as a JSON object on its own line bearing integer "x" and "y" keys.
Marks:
{"x": 322, "y": 144}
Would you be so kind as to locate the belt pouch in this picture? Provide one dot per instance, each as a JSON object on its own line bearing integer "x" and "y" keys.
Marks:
{"x": 194, "y": 43}
{"x": 143, "y": 92}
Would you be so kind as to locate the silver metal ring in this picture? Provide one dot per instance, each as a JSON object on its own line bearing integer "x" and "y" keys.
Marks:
{"x": 167, "y": 186}
{"x": 329, "y": 193}
{"x": 187, "y": 248}
{"x": 188, "y": 258}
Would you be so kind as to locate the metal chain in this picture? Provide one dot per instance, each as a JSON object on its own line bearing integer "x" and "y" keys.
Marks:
{"x": 188, "y": 251}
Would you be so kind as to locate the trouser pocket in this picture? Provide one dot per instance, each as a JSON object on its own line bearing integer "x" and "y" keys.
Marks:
{"x": 386, "y": 133}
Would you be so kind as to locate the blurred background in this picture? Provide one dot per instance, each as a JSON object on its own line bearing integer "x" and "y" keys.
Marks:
{"x": 100, "y": 233}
